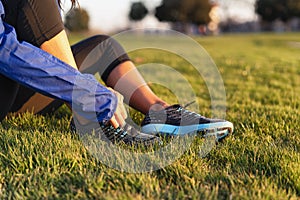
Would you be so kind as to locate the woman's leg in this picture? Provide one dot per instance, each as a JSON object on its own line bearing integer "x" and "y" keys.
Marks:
{"x": 102, "y": 54}
{"x": 127, "y": 80}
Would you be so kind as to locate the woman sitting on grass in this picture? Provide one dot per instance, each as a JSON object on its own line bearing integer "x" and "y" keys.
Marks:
{"x": 40, "y": 71}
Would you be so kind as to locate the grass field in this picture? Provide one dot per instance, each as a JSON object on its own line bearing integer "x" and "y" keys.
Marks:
{"x": 41, "y": 159}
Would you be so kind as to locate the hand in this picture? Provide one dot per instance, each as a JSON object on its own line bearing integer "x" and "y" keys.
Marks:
{"x": 120, "y": 115}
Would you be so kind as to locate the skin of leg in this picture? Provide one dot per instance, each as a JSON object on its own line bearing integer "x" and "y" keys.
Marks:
{"x": 127, "y": 80}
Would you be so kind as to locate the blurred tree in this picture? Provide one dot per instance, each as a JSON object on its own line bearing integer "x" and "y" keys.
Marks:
{"x": 270, "y": 10}
{"x": 294, "y": 7}
{"x": 137, "y": 11}
{"x": 168, "y": 11}
{"x": 77, "y": 19}
{"x": 284, "y": 10}
{"x": 184, "y": 11}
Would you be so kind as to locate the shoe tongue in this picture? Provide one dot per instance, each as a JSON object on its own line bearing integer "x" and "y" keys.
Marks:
{"x": 175, "y": 107}
{"x": 169, "y": 108}
{"x": 154, "y": 112}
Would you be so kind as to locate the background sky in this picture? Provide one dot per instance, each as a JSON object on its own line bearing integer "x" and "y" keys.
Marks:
{"x": 111, "y": 15}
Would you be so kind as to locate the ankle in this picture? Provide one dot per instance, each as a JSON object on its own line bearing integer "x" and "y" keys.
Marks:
{"x": 158, "y": 106}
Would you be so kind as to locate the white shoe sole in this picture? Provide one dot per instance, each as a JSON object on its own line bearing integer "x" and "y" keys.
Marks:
{"x": 219, "y": 129}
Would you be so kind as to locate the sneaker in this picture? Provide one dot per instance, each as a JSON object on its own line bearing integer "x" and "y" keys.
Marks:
{"x": 126, "y": 134}
{"x": 176, "y": 120}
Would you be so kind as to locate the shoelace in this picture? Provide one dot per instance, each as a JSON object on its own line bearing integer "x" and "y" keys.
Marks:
{"x": 188, "y": 104}
{"x": 172, "y": 115}
{"x": 190, "y": 113}
{"x": 112, "y": 133}
{"x": 181, "y": 111}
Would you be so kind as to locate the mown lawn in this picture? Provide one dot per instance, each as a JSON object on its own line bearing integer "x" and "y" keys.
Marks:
{"x": 40, "y": 158}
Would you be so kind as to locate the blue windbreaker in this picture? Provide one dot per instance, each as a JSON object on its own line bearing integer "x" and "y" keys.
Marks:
{"x": 36, "y": 69}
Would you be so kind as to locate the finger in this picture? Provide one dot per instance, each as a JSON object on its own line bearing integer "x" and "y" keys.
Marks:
{"x": 119, "y": 118}
{"x": 121, "y": 107}
{"x": 114, "y": 122}
{"x": 123, "y": 111}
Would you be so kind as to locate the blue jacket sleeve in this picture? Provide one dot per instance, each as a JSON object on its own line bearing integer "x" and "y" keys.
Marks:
{"x": 36, "y": 69}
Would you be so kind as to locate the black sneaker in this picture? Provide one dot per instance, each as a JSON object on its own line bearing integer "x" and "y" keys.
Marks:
{"x": 176, "y": 120}
{"x": 126, "y": 135}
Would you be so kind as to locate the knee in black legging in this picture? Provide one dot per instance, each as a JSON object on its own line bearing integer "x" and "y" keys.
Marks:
{"x": 99, "y": 54}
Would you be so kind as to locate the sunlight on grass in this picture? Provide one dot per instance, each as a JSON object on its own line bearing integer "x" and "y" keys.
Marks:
{"x": 41, "y": 159}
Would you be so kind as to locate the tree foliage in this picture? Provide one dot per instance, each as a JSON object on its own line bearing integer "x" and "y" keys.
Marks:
{"x": 138, "y": 11}
{"x": 77, "y": 19}
{"x": 270, "y": 10}
{"x": 185, "y": 11}
{"x": 294, "y": 7}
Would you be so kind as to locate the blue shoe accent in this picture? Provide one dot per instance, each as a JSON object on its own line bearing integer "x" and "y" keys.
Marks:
{"x": 175, "y": 120}
{"x": 220, "y": 129}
